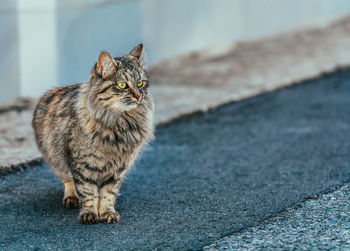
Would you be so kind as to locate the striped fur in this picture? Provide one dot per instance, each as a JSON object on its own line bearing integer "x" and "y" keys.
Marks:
{"x": 90, "y": 134}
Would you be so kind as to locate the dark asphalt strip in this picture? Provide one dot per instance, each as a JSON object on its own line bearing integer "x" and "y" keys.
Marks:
{"x": 205, "y": 176}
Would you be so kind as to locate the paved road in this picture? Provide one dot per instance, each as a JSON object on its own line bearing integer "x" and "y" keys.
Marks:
{"x": 205, "y": 177}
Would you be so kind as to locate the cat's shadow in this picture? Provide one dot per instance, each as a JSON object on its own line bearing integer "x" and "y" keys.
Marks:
{"x": 52, "y": 202}
{"x": 46, "y": 202}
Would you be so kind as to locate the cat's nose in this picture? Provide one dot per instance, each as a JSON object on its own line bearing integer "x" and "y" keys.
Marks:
{"x": 137, "y": 95}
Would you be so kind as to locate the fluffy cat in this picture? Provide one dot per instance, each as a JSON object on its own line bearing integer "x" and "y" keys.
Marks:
{"x": 91, "y": 133}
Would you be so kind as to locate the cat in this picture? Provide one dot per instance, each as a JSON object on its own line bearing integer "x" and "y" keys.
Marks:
{"x": 91, "y": 133}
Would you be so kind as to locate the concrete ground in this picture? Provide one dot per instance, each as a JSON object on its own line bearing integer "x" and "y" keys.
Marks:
{"x": 207, "y": 79}
{"x": 207, "y": 176}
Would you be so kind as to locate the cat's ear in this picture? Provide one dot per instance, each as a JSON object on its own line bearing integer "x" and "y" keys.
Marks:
{"x": 106, "y": 64}
{"x": 137, "y": 52}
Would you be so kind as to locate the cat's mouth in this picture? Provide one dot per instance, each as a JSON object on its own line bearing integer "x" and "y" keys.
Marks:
{"x": 133, "y": 103}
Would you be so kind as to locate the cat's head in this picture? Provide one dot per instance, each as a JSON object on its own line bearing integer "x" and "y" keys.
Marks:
{"x": 120, "y": 83}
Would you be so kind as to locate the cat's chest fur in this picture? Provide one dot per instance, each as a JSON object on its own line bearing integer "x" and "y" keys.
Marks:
{"x": 122, "y": 141}
{"x": 113, "y": 147}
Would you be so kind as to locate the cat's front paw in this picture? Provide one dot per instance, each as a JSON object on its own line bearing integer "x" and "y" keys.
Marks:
{"x": 88, "y": 218}
{"x": 71, "y": 202}
{"x": 110, "y": 217}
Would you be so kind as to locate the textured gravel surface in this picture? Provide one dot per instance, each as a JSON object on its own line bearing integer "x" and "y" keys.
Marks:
{"x": 319, "y": 223}
{"x": 206, "y": 175}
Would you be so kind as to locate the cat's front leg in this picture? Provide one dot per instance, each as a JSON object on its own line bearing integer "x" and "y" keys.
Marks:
{"x": 87, "y": 191}
{"x": 108, "y": 194}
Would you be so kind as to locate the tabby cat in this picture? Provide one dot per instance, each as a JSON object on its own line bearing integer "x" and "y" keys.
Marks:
{"x": 91, "y": 133}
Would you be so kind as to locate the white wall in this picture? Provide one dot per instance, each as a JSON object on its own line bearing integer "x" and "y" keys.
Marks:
{"x": 37, "y": 50}
{"x": 55, "y": 42}
{"x": 9, "y": 61}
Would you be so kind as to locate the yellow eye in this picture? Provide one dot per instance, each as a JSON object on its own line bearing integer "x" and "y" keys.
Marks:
{"x": 122, "y": 85}
{"x": 140, "y": 83}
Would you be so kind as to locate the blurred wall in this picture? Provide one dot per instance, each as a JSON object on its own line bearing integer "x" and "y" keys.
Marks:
{"x": 9, "y": 60}
{"x": 45, "y": 43}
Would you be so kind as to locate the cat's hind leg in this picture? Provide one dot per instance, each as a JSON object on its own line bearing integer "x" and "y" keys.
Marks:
{"x": 70, "y": 199}
{"x": 60, "y": 168}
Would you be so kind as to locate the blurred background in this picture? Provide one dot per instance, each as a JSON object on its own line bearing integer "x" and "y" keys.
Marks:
{"x": 46, "y": 43}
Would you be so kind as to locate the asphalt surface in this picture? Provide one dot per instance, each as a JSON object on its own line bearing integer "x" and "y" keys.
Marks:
{"x": 206, "y": 175}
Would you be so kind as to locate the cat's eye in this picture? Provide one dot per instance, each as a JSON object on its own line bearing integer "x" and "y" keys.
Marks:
{"x": 140, "y": 83}
{"x": 122, "y": 85}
